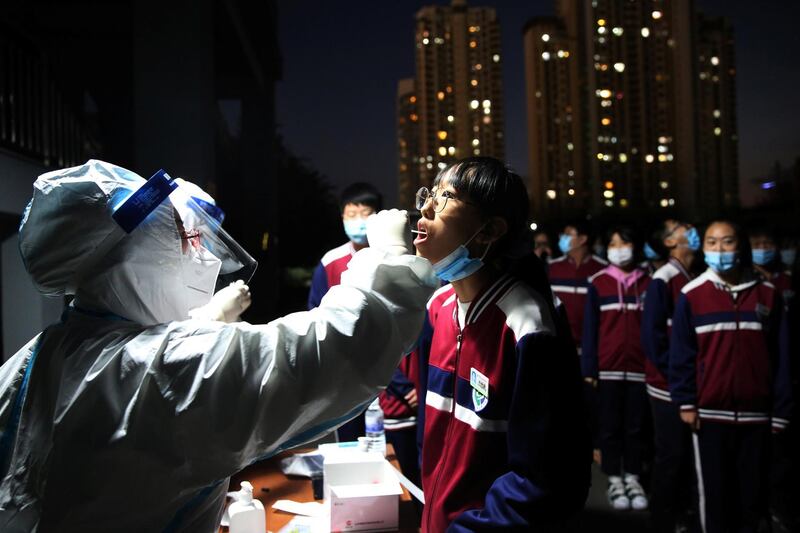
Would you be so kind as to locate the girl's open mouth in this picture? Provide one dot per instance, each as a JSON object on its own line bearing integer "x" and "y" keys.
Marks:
{"x": 421, "y": 235}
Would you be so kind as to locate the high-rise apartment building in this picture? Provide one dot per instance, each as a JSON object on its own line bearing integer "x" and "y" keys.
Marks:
{"x": 458, "y": 88}
{"x": 717, "y": 139}
{"x": 615, "y": 109}
{"x": 555, "y": 132}
{"x": 407, "y": 144}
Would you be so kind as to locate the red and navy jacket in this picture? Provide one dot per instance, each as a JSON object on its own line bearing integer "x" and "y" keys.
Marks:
{"x": 329, "y": 272}
{"x": 729, "y": 356}
{"x": 397, "y": 412}
{"x": 783, "y": 282}
{"x": 612, "y": 348}
{"x": 570, "y": 283}
{"x": 505, "y": 442}
{"x": 659, "y": 306}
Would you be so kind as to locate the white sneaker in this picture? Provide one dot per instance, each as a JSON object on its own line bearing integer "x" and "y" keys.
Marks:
{"x": 635, "y": 493}
{"x": 617, "y": 496}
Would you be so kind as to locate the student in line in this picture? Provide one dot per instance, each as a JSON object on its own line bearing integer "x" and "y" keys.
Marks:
{"x": 613, "y": 362}
{"x": 729, "y": 374}
{"x": 672, "y": 467}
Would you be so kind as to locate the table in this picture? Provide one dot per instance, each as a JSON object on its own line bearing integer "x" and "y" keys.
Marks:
{"x": 267, "y": 474}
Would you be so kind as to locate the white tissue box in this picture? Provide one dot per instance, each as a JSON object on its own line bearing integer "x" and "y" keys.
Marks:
{"x": 361, "y": 490}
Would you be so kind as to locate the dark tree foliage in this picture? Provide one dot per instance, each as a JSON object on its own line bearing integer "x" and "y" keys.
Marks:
{"x": 309, "y": 221}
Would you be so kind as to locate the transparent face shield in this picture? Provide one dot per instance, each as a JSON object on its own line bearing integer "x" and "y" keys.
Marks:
{"x": 199, "y": 230}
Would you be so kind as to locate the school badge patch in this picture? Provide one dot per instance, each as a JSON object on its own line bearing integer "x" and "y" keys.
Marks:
{"x": 479, "y": 401}
{"x": 480, "y": 389}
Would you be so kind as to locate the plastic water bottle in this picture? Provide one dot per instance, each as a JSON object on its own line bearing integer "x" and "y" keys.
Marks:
{"x": 373, "y": 420}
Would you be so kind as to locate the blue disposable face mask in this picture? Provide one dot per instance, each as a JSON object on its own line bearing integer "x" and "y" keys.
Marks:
{"x": 693, "y": 239}
{"x": 356, "y": 230}
{"x": 721, "y": 262}
{"x": 458, "y": 264}
{"x": 649, "y": 253}
{"x": 788, "y": 255}
{"x": 565, "y": 243}
{"x": 763, "y": 257}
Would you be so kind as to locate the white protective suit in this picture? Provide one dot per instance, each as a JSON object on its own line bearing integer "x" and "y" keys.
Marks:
{"x": 124, "y": 418}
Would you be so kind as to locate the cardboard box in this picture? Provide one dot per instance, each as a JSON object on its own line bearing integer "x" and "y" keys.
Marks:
{"x": 361, "y": 491}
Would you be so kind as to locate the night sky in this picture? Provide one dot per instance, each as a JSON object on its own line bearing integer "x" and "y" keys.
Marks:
{"x": 336, "y": 102}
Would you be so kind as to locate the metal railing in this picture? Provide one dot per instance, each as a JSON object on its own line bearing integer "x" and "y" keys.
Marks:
{"x": 35, "y": 119}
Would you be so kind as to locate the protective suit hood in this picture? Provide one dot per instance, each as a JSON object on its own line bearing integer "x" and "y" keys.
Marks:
{"x": 70, "y": 244}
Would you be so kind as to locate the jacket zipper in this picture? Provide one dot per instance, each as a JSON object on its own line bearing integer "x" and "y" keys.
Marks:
{"x": 443, "y": 462}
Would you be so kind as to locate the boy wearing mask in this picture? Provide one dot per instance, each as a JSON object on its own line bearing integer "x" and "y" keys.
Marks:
{"x": 569, "y": 274}
{"x": 359, "y": 201}
{"x": 767, "y": 262}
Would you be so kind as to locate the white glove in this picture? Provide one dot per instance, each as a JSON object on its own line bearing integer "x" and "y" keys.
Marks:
{"x": 226, "y": 305}
{"x": 388, "y": 231}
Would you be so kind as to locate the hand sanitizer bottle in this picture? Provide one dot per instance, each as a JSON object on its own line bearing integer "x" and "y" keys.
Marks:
{"x": 246, "y": 514}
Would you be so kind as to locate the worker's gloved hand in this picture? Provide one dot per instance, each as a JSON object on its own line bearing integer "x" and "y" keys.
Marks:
{"x": 226, "y": 305}
{"x": 388, "y": 231}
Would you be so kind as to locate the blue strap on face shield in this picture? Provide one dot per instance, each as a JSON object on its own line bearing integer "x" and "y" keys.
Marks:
{"x": 213, "y": 211}
{"x": 130, "y": 213}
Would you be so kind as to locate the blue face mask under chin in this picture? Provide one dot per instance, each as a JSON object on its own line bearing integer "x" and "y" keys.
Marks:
{"x": 693, "y": 239}
{"x": 721, "y": 262}
{"x": 565, "y": 243}
{"x": 356, "y": 230}
{"x": 458, "y": 264}
{"x": 788, "y": 256}
{"x": 649, "y": 253}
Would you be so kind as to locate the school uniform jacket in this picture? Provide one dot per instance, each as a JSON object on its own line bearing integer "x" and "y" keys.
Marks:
{"x": 505, "y": 442}
{"x": 783, "y": 282}
{"x": 728, "y": 352}
{"x": 329, "y": 272}
{"x": 397, "y": 412}
{"x": 570, "y": 282}
{"x": 659, "y": 306}
{"x": 612, "y": 349}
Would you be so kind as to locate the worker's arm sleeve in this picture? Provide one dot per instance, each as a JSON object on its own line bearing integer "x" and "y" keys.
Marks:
{"x": 236, "y": 393}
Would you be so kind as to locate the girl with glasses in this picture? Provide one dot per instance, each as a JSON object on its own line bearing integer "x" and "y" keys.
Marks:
{"x": 505, "y": 441}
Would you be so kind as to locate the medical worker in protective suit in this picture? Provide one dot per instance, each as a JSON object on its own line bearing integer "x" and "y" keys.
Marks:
{"x": 132, "y": 412}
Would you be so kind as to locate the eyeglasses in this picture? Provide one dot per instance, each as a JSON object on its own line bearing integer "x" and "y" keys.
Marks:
{"x": 439, "y": 201}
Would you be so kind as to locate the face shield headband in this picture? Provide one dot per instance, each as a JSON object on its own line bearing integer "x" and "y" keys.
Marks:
{"x": 198, "y": 226}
